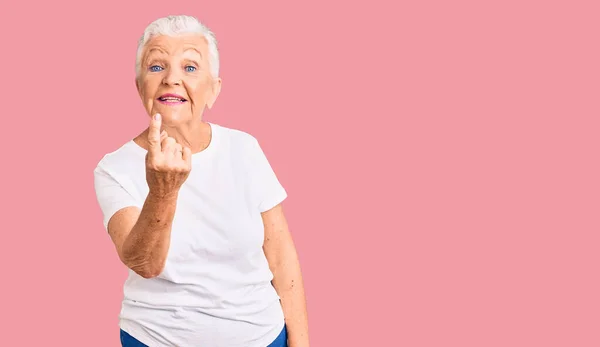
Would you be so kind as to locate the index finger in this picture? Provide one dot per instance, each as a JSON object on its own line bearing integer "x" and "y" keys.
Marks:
{"x": 154, "y": 133}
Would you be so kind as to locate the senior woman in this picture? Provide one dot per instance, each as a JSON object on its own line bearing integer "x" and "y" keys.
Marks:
{"x": 194, "y": 211}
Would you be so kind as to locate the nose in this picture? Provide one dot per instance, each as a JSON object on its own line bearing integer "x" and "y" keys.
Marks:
{"x": 172, "y": 77}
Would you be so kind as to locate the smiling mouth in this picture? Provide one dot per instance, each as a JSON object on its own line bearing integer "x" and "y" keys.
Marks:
{"x": 171, "y": 99}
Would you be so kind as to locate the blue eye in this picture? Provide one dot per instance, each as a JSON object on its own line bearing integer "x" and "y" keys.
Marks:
{"x": 190, "y": 68}
{"x": 155, "y": 68}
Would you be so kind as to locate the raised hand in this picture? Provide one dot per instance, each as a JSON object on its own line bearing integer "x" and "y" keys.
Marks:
{"x": 168, "y": 164}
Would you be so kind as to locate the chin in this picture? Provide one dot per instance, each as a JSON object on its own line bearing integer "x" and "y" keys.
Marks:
{"x": 173, "y": 117}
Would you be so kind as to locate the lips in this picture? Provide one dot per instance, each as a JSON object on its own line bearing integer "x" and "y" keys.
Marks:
{"x": 171, "y": 99}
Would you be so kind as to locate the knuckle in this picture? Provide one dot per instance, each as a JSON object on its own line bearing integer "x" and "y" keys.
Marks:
{"x": 154, "y": 163}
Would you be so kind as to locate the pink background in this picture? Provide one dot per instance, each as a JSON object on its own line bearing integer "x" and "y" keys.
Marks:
{"x": 441, "y": 161}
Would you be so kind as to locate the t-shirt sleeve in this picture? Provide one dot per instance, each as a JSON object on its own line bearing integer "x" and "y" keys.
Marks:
{"x": 111, "y": 195}
{"x": 267, "y": 189}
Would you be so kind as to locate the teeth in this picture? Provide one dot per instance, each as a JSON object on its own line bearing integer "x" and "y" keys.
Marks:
{"x": 171, "y": 99}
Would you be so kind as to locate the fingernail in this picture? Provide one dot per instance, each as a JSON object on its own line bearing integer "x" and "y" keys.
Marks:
{"x": 157, "y": 116}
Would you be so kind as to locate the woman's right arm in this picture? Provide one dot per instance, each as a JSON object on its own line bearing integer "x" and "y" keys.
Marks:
{"x": 142, "y": 237}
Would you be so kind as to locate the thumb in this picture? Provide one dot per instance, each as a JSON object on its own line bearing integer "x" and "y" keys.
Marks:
{"x": 154, "y": 133}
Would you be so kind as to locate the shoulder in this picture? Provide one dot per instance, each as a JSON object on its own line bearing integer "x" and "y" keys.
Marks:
{"x": 234, "y": 134}
{"x": 123, "y": 158}
{"x": 237, "y": 140}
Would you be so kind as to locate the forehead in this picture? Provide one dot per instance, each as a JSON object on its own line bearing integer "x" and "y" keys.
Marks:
{"x": 177, "y": 45}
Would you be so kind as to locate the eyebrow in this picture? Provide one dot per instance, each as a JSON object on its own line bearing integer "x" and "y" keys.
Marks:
{"x": 153, "y": 49}
{"x": 195, "y": 50}
{"x": 162, "y": 51}
{"x": 148, "y": 56}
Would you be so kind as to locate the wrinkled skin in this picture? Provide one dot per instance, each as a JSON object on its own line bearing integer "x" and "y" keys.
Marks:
{"x": 178, "y": 65}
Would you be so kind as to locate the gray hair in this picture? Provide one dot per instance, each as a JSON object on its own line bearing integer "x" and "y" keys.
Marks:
{"x": 177, "y": 25}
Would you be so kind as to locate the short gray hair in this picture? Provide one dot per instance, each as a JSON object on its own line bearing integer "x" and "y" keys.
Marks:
{"x": 177, "y": 25}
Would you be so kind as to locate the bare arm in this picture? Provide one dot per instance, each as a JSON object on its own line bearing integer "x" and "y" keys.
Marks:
{"x": 142, "y": 238}
{"x": 287, "y": 278}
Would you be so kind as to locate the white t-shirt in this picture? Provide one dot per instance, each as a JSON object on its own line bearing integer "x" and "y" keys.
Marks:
{"x": 215, "y": 289}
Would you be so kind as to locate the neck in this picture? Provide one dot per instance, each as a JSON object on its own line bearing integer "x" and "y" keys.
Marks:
{"x": 196, "y": 135}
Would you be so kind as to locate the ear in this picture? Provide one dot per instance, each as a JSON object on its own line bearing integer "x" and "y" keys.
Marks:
{"x": 216, "y": 89}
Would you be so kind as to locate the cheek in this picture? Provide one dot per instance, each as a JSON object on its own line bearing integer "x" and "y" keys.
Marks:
{"x": 149, "y": 87}
{"x": 146, "y": 92}
{"x": 147, "y": 98}
{"x": 197, "y": 90}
